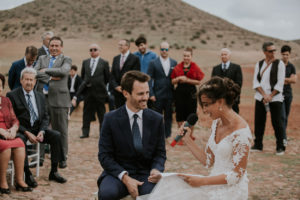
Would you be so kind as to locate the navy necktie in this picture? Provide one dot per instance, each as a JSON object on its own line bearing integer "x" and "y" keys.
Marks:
{"x": 33, "y": 116}
{"x": 137, "y": 140}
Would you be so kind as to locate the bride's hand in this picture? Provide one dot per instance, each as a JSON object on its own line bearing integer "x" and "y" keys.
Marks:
{"x": 154, "y": 176}
{"x": 181, "y": 130}
{"x": 193, "y": 181}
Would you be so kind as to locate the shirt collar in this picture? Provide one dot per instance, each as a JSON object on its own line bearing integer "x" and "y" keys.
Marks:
{"x": 30, "y": 93}
{"x": 130, "y": 113}
{"x": 126, "y": 54}
{"x": 161, "y": 58}
{"x": 227, "y": 64}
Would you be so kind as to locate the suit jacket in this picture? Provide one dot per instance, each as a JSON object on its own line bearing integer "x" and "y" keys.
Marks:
{"x": 77, "y": 82}
{"x": 58, "y": 93}
{"x": 132, "y": 63}
{"x": 14, "y": 74}
{"x": 233, "y": 72}
{"x": 160, "y": 85}
{"x": 116, "y": 148}
{"x": 95, "y": 86}
{"x": 21, "y": 109}
{"x": 41, "y": 52}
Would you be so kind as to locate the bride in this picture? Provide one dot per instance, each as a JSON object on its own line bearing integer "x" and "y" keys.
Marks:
{"x": 227, "y": 151}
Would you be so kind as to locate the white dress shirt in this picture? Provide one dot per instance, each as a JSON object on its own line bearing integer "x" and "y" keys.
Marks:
{"x": 72, "y": 89}
{"x": 265, "y": 81}
{"x": 166, "y": 64}
{"x": 95, "y": 65}
{"x": 33, "y": 101}
{"x": 46, "y": 49}
{"x": 139, "y": 122}
{"x": 125, "y": 57}
{"x": 26, "y": 63}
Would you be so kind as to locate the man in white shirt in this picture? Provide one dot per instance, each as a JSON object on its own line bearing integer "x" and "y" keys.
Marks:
{"x": 161, "y": 88}
{"x": 268, "y": 83}
{"x": 132, "y": 143}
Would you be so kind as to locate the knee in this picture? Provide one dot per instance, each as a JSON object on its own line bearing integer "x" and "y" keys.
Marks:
{"x": 107, "y": 193}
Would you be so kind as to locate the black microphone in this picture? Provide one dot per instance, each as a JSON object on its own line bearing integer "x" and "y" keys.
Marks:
{"x": 191, "y": 121}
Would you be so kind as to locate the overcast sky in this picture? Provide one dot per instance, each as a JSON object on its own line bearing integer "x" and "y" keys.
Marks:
{"x": 276, "y": 18}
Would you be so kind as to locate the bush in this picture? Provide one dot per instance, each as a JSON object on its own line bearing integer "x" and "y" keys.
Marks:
{"x": 152, "y": 46}
{"x": 219, "y": 35}
{"x": 64, "y": 29}
{"x": 128, "y": 32}
{"x": 247, "y": 43}
{"x": 203, "y": 42}
{"x": 153, "y": 27}
{"x": 109, "y": 36}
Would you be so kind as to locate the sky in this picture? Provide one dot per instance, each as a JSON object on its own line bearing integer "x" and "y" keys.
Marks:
{"x": 275, "y": 18}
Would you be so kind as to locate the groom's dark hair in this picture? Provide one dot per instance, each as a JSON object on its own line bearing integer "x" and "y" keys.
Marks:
{"x": 131, "y": 76}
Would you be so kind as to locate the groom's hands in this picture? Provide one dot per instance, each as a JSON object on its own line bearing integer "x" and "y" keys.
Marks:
{"x": 132, "y": 185}
{"x": 154, "y": 176}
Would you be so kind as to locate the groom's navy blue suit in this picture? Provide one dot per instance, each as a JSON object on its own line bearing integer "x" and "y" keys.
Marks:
{"x": 117, "y": 152}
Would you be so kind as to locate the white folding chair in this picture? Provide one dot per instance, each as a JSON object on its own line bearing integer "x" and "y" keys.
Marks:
{"x": 11, "y": 171}
{"x": 34, "y": 156}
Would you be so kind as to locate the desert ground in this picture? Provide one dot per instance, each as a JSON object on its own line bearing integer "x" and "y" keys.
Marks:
{"x": 270, "y": 176}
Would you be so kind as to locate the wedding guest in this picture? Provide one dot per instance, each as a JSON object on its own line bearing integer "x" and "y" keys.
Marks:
{"x": 10, "y": 145}
{"x": 226, "y": 151}
{"x": 186, "y": 76}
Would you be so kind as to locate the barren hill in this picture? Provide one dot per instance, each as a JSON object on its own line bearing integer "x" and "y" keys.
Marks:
{"x": 172, "y": 20}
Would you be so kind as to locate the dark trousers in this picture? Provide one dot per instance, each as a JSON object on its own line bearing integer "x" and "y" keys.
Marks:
{"x": 119, "y": 99}
{"x": 78, "y": 100}
{"x": 51, "y": 137}
{"x": 286, "y": 107}
{"x": 164, "y": 106}
{"x": 91, "y": 106}
{"x": 111, "y": 188}
{"x": 260, "y": 122}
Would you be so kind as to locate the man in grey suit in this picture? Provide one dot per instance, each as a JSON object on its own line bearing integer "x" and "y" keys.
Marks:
{"x": 53, "y": 71}
{"x": 161, "y": 88}
{"x": 94, "y": 84}
{"x": 44, "y": 50}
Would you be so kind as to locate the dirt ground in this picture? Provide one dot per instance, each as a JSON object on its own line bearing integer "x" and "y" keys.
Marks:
{"x": 271, "y": 176}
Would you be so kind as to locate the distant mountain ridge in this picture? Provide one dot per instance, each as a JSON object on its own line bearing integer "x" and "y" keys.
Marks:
{"x": 171, "y": 20}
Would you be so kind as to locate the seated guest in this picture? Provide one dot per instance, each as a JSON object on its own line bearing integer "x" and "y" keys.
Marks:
{"x": 74, "y": 82}
{"x": 31, "y": 111}
{"x": 9, "y": 144}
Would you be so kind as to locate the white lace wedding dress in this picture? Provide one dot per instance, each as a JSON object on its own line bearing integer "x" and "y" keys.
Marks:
{"x": 225, "y": 157}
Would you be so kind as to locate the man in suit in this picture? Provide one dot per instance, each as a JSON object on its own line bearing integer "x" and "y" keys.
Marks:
{"x": 17, "y": 66}
{"x": 94, "y": 84}
{"x": 122, "y": 63}
{"x": 161, "y": 88}
{"x": 31, "y": 111}
{"x": 74, "y": 82}
{"x": 132, "y": 143}
{"x": 231, "y": 71}
{"x": 52, "y": 79}
{"x": 44, "y": 50}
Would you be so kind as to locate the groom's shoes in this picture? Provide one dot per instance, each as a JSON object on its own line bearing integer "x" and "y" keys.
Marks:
{"x": 254, "y": 148}
{"x": 55, "y": 176}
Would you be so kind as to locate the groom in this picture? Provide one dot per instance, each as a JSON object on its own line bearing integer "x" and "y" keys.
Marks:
{"x": 132, "y": 145}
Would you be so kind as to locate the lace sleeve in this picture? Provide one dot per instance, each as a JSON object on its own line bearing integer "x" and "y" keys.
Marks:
{"x": 241, "y": 146}
{"x": 210, "y": 157}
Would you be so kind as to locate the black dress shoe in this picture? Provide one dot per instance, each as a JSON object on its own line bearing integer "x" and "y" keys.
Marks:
{"x": 29, "y": 180}
{"x": 62, "y": 164}
{"x": 4, "y": 190}
{"x": 84, "y": 136}
{"x": 55, "y": 176}
{"x": 23, "y": 189}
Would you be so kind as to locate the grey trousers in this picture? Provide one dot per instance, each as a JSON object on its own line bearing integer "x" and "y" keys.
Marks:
{"x": 59, "y": 122}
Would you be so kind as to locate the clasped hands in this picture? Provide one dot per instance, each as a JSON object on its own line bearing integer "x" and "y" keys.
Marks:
{"x": 132, "y": 184}
{"x": 9, "y": 134}
{"x": 35, "y": 139}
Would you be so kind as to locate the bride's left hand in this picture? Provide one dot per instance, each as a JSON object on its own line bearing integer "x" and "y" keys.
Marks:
{"x": 193, "y": 181}
{"x": 154, "y": 176}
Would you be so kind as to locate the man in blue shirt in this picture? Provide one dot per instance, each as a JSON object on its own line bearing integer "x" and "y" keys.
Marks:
{"x": 144, "y": 54}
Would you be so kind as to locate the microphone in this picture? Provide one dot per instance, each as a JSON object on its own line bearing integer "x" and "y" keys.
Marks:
{"x": 191, "y": 121}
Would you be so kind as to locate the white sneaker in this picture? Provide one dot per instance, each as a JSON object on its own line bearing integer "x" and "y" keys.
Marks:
{"x": 280, "y": 152}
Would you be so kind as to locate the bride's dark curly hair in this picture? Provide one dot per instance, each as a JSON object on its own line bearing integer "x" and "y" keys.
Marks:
{"x": 220, "y": 88}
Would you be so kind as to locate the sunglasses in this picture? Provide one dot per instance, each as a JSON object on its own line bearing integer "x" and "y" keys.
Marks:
{"x": 164, "y": 49}
{"x": 271, "y": 51}
{"x": 91, "y": 50}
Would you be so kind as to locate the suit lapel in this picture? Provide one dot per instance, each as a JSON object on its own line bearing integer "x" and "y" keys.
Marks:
{"x": 98, "y": 65}
{"x": 57, "y": 61}
{"x": 38, "y": 104}
{"x": 147, "y": 123}
{"x": 124, "y": 124}
{"x": 22, "y": 97}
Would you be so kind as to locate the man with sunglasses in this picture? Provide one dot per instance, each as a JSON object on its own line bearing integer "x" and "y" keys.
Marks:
{"x": 268, "y": 83}
{"x": 161, "y": 88}
{"x": 95, "y": 73}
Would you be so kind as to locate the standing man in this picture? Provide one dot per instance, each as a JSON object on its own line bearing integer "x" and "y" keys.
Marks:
{"x": 290, "y": 78}
{"x": 31, "y": 111}
{"x": 132, "y": 143}
{"x": 144, "y": 54}
{"x": 74, "y": 82}
{"x": 44, "y": 50}
{"x": 122, "y": 63}
{"x": 268, "y": 84}
{"x": 17, "y": 66}
{"x": 161, "y": 88}
{"x": 231, "y": 71}
{"x": 52, "y": 78}
{"x": 94, "y": 83}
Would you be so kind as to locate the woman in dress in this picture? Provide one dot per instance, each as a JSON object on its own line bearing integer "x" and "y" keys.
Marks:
{"x": 227, "y": 150}
{"x": 186, "y": 75}
{"x": 10, "y": 145}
